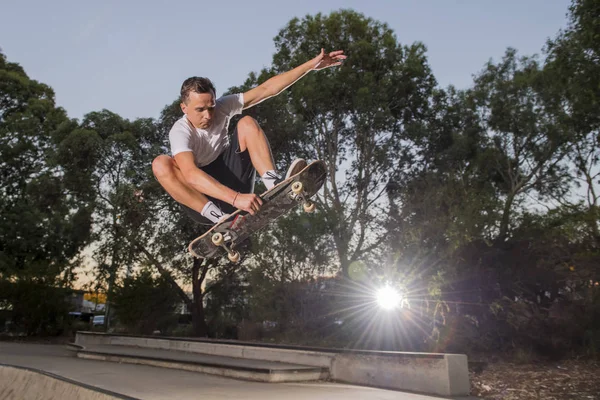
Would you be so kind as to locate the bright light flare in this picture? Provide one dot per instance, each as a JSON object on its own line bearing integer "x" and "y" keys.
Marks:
{"x": 388, "y": 298}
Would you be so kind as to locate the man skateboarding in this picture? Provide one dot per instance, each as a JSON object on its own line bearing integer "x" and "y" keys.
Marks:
{"x": 210, "y": 174}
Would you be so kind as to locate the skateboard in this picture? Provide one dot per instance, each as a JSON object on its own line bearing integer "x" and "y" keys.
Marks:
{"x": 227, "y": 234}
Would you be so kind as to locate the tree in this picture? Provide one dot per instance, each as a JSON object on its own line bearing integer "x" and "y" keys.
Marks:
{"x": 527, "y": 148}
{"x": 226, "y": 301}
{"x": 443, "y": 201}
{"x": 44, "y": 219}
{"x": 116, "y": 154}
{"x": 573, "y": 69}
{"x": 294, "y": 247}
{"x": 353, "y": 118}
{"x": 145, "y": 303}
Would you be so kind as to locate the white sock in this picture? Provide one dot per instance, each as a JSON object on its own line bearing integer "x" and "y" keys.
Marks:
{"x": 212, "y": 212}
{"x": 269, "y": 178}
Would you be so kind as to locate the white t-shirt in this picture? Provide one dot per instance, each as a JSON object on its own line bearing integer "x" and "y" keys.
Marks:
{"x": 206, "y": 144}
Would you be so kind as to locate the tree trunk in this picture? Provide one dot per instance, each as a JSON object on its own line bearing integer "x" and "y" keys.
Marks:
{"x": 344, "y": 263}
{"x": 112, "y": 277}
{"x": 505, "y": 218}
{"x": 593, "y": 221}
{"x": 198, "y": 318}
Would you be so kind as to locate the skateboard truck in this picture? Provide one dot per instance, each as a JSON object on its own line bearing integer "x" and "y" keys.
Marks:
{"x": 219, "y": 240}
{"x": 298, "y": 194}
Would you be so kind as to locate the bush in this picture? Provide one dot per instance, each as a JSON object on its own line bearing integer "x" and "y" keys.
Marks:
{"x": 36, "y": 309}
{"x": 144, "y": 304}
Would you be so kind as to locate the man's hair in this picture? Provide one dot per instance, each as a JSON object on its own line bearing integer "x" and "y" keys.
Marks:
{"x": 196, "y": 84}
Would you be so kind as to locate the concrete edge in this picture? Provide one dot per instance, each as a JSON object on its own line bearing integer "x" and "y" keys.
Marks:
{"x": 73, "y": 347}
{"x": 457, "y": 366}
{"x": 332, "y": 350}
{"x": 71, "y": 382}
{"x": 208, "y": 364}
{"x": 257, "y": 375}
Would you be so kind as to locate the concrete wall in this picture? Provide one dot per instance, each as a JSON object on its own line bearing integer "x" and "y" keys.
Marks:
{"x": 440, "y": 374}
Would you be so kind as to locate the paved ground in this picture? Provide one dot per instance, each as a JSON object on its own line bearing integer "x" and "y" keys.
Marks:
{"x": 145, "y": 382}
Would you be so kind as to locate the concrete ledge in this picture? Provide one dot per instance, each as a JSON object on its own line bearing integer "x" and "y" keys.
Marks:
{"x": 446, "y": 375}
{"x": 17, "y": 383}
{"x": 429, "y": 373}
{"x": 228, "y": 370}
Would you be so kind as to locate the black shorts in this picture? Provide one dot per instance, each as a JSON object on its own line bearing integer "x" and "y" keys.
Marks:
{"x": 233, "y": 169}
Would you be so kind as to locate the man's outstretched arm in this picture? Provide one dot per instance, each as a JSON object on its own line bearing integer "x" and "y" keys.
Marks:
{"x": 277, "y": 84}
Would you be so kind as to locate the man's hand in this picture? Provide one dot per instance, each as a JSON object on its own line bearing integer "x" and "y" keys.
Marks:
{"x": 326, "y": 60}
{"x": 249, "y": 202}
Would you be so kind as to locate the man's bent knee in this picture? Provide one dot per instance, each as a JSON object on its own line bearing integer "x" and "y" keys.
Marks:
{"x": 162, "y": 166}
{"x": 247, "y": 130}
{"x": 247, "y": 124}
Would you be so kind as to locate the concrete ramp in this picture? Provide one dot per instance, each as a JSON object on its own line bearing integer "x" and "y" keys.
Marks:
{"x": 18, "y": 383}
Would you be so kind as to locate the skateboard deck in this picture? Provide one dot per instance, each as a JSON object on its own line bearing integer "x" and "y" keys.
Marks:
{"x": 223, "y": 237}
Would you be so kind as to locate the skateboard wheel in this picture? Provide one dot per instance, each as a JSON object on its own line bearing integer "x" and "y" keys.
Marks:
{"x": 217, "y": 239}
{"x": 234, "y": 256}
{"x": 309, "y": 206}
{"x": 297, "y": 187}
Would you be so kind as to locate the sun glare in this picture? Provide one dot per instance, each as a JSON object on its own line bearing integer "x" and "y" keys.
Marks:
{"x": 388, "y": 298}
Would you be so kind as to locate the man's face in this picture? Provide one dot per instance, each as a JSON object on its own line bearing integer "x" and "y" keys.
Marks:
{"x": 199, "y": 109}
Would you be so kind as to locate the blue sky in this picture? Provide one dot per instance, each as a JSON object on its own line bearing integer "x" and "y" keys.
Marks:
{"x": 130, "y": 57}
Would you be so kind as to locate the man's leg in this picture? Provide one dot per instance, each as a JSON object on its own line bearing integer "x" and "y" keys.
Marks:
{"x": 169, "y": 175}
{"x": 251, "y": 137}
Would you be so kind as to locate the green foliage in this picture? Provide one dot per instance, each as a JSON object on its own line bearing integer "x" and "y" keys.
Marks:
{"x": 573, "y": 65}
{"x": 295, "y": 247}
{"x": 34, "y": 308}
{"x": 573, "y": 69}
{"x": 461, "y": 171}
{"x": 353, "y": 117}
{"x": 295, "y": 311}
{"x": 144, "y": 303}
{"x": 526, "y": 148}
{"x": 226, "y": 302}
{"x": 131, "y": 211}
{"x": 482, "y": 205}
{"x": 44, "y": 219}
